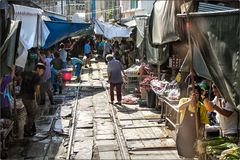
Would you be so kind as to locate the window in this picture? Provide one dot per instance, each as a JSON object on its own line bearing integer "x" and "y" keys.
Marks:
{"x": 134, "y": 4}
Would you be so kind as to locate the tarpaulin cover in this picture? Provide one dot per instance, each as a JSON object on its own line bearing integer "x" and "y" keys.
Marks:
{"x": 9, "y": 48}
{"x": 199, "y": 64}
{"x": 33, "y": 31}
{"x": 56, "y": 19}
{"x": 87, "y": 31}
{"x": 156, "y": 54}
{"x": 162, "y": 23}
{"x": 141, "y": 23}
{"x": 111, "y": 31}
{"x": 217, "y": 38}
{"x": 62, "y": 30}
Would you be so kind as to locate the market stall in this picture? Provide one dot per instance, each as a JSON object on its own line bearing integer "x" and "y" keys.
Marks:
{"x": 202, "y": 36}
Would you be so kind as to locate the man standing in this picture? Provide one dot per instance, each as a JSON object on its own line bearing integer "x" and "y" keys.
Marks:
{"x": 30, "y": 85}
{"x": 46, "y": 85}
{"x": 228, "y": 116}
{"x": 63, "y": 55}
{"x": 87, "y": 52}
{"x": 115, "y": 71}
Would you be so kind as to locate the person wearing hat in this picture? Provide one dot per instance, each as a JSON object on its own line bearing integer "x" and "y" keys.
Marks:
{"x": 227, "y": 115}
{"x": 190, "y": 109}
{"x": 115, "y": 70}
{"x": 30, "y": 86}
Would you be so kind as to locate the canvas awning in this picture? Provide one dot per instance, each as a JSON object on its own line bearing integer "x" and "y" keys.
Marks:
{"x": 111, "y": 30}
{"x": 33, "y": 31}
{"x": 61, "y": 30}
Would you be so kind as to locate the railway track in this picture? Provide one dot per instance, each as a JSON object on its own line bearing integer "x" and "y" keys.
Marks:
{"x": 97, "y": 129}
{"x": 72, "y": 130}
{"x": 97, "y": 149}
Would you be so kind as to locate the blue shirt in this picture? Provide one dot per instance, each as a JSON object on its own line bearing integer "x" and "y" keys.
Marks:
{"x": 87, "y": 49}
{"x": 115, "y": 69}
{"x": 76, "y": 61}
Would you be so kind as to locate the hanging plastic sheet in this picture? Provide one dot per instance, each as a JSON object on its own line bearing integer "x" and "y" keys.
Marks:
{"x": 163, "y": 23}
{"x": 217, "y": 38}
{"x": 111, "y": 31}
{"x": 33, "y": 31}
{"x": 140, "y": 24}
{"x": 9, "y": 48}
{"x": 156, "y": 54}
{"x": 199, "y": 64}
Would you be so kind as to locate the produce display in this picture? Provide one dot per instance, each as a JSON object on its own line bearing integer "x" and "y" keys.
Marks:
{"x": 158, "y": 86}
{"x": 163, "y": 88}
{"x": 221, "y": 147}
{"x": 231, "y": 154}
{"x": 145, "y": 84}
{"x": 174, "y": 94}
{"x": 133, "y": 71}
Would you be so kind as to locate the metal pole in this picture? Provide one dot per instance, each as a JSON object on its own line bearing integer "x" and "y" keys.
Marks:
{"x": 93, "y": 9}
{"x": 68, "y": 14}
{"x": 61, "y": 6}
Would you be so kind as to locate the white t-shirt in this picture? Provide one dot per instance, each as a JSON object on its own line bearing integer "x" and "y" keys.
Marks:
{"x": 63, "y": 55}
{"x": 47, "y": 73}
{"x": 228, "y": 124}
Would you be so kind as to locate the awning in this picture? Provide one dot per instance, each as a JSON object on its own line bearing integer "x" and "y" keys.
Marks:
{"x": 33, "y": 31}
{"x": 216, "y": 36}
{"x": 62, "y": 30}
{"x": 56, "y": 19}
{"x": 111, "y": 31}
{"x": 9, "y": 48}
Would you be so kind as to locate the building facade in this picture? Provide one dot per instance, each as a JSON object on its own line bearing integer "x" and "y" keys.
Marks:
{"x": 105, "y": 9}
{"x": 131, "y": 8}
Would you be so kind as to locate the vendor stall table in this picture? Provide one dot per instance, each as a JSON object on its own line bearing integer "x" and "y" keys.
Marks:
{"x": 169, "y": 110}
{"x": 133, "y": 82}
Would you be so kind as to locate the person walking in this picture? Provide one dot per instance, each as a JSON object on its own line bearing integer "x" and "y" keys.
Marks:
{"x": 30, "y": 86}
{"x": 115, "y": 71}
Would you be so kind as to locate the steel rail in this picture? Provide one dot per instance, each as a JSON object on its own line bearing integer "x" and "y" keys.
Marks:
{"x": 119, "y": 139}
{"x": 73, "y": 127}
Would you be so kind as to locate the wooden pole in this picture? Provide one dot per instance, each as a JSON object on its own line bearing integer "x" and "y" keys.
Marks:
{"x": 189, "y": 25}
{"x": 143, "y": 46}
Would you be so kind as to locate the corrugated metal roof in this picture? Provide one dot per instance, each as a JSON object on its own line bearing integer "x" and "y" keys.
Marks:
{"x": 206, "y": 7}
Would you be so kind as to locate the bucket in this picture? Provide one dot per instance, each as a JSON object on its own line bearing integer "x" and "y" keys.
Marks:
{"x": 67, "y": 75}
